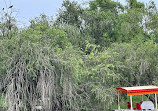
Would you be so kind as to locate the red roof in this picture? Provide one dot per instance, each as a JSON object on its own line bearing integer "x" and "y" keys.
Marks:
{"x": 138, "y": 90}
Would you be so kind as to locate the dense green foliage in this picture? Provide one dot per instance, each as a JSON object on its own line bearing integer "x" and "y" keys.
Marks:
{"x": 77, "y": 61}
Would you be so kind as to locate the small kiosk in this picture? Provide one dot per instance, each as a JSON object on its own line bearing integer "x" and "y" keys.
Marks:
{"x": 138, "y": 90}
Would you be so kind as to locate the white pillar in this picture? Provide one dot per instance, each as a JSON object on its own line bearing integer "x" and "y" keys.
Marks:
{"x": 118, "y": 101}
{"x": 155, "y": 101}
{"x": 131, "y": 102}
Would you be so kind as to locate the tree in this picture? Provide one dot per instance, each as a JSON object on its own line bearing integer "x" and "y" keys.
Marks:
{"x": 8, "y": 26}
{"x": 70, "y": 13}
{"x": 100, "y": 20}
{"x": 152, "y": 20}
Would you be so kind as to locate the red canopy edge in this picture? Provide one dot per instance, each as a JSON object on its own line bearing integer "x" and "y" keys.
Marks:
{"x": 136, "y": 91}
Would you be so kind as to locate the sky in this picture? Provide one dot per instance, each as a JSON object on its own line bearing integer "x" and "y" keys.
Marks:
{"x": 29, "y": 9}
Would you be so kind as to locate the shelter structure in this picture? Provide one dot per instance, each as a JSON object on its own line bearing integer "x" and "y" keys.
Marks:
{"x": 137, "y": 90}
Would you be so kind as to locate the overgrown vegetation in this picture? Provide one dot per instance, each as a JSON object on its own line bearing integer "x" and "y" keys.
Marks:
{"x": 77, "y": 61}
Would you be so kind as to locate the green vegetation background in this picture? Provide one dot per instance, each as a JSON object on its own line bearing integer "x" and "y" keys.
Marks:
{"x": 76, "y": 61}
